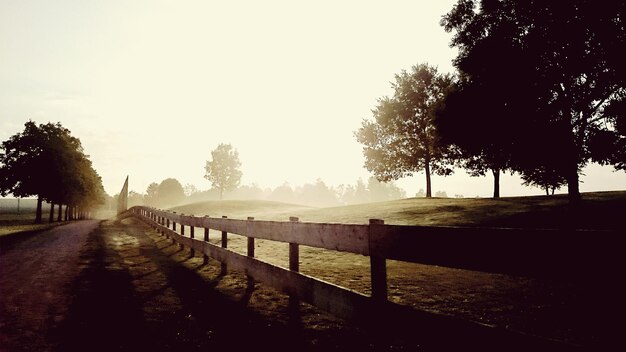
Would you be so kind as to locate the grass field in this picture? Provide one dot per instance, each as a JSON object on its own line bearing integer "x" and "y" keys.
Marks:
{"x": 598, "y": 210}
{"x": 535, "y": 306}
{"x": 24, "y": 222}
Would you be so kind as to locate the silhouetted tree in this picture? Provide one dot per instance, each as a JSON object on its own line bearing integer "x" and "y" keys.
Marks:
{"x": 402, "y": 139}
{"x": 461, "y": 121}
{"x": 223, "y": 170}
{"x": 170, "y": 192}
{"x": 552, "y": 73}
{"x": 542, "y": 177}
{"x": 48, "y": 162}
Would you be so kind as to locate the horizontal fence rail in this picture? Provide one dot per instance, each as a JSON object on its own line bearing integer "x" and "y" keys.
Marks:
{"x": 530, "y": 252}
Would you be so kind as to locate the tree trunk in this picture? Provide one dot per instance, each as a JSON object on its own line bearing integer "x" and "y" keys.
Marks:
{"x": 547, "y": 191}
{"x": 38, "y": 214}
{"x": 60, "y": 214}
{"x": 51, "y": 212}
{"x": 67, "y": 212}
{"x": 496, "y": 183}
{"x": 428, "y": 188}
{"x": 573, "y": 190}
{"x": 571, "y": 168}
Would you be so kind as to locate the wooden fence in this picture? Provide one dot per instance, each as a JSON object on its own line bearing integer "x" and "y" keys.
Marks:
{"x": 553, "y": 254}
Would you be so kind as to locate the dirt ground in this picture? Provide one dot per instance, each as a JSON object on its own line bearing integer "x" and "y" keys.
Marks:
{"x": 121, "y": 287}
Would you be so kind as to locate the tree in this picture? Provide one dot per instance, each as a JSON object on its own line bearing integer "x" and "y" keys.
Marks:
{"x": 48, "y": 162}
{"x": 381, "y": 191}
{"x": 283, "y": 193}
{"x": 402, "y": 139}
{"x": 356, "y": 194}
{"x": 190, "y": 189}
{"x": 542, "y": 177}
{"x": 223, "y": 170}
{"x": 317, "y": 194}
{"x": 462, "y": 119}
{"x": 441, "y": 194}
{"x": 247, "y": 192}
{"x": 152, "y": 196}
{"x": 134, "y": 198}
{"x": 170, "y": 192}
{"x": 561, "y": 64}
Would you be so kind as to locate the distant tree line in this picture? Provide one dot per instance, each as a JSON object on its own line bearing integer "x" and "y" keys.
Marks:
{"x": 540, "y": 90}
{"x": 170, "y": 193}
{"x": 47, "y": 162}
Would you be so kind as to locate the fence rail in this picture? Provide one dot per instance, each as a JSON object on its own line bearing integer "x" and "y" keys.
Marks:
{"x": 550, "y": 253}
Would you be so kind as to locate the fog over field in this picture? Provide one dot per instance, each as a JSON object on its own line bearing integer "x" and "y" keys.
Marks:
{"x": 151, "y": 87}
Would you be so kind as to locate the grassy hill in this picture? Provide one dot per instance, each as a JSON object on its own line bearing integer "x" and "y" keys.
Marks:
{"x": 240, "y": 209}
{"x": 598, "y": 210}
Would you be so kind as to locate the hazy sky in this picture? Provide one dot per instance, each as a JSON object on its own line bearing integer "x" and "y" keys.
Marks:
{"x": 151, "y": 87}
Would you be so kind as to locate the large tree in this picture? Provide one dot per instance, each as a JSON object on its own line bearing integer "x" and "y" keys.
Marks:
{"x": 461, "y": 122}
{"x": 223, "y": 171}
{"x": 48, "y": 162}
{"x": 402, "y": 140}
{"x": 554, "y": 70}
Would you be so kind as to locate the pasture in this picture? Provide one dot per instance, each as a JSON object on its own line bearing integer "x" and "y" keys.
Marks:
{"x": 560, "y": 309}
{"x": 23, "y": 222}
{"x": 598, "y": 210}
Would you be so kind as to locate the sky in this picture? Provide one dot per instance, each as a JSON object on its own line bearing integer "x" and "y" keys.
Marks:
{"x": 151, "y": 87}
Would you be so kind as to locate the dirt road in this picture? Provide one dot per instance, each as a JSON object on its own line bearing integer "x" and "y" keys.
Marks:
{"x": 35, "y": 273}
{"x": 121, "y": 287}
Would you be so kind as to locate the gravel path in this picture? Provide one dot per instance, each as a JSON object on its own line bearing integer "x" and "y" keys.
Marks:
{"x": 34, "y": 276}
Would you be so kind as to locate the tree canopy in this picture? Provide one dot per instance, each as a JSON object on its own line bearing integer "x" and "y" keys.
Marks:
{"x": 542, "y": 84}
{"x": 402, "y": 138}
{"x": 169, "y": 192}
{"x": 48, "y": 162}
{"x": 223, "y": 170}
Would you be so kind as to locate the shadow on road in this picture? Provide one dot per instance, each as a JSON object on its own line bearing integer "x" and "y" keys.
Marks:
{"x": 138, "y": 292}
{"x": 183, "y": 312}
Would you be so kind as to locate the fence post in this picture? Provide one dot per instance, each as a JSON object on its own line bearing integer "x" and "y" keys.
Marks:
{"x": 294, "y": 251}
{"x": 250, "y": 250}
{"x": 250, "y": 240}
{"x": 224, "y": 235}
{"x": 205, "y": 257}
{"x": 173, "y": 228}
{"x": 167, "y": 221}
{"x": 294, "y": 265}
{"x": 378, "y": 267}
{"x": 191, "y": 235}
{"x": 182, "y": 231}
{"x": 224, "y": 245}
